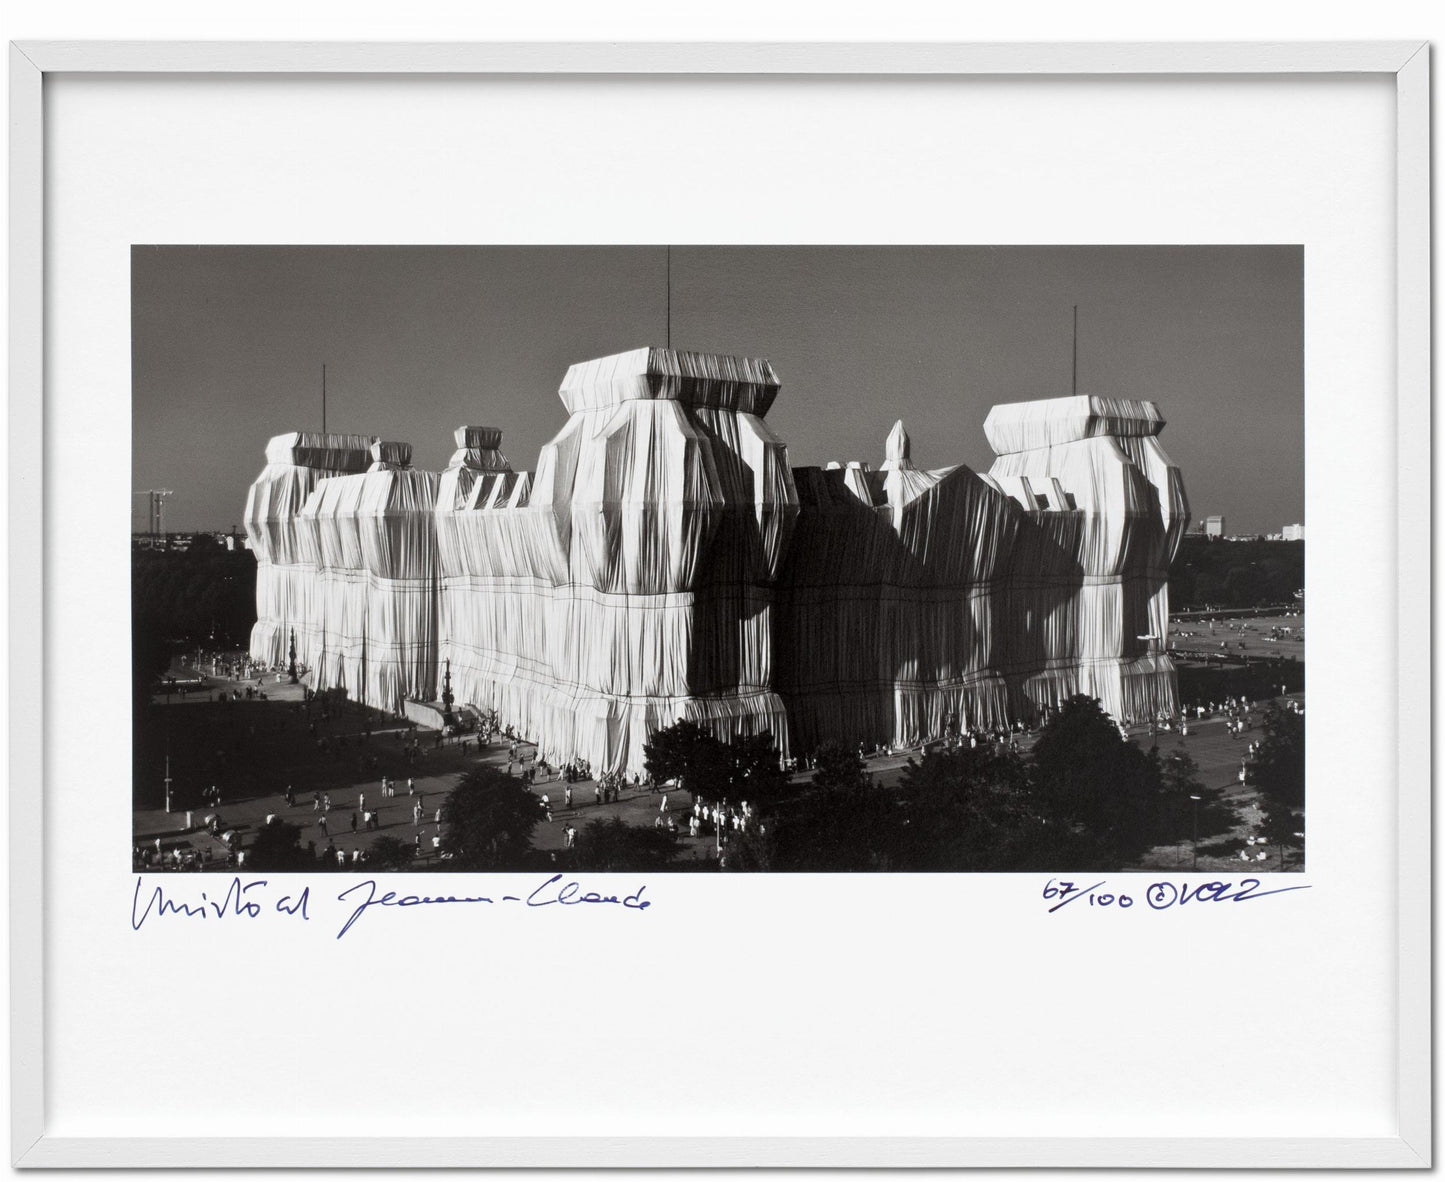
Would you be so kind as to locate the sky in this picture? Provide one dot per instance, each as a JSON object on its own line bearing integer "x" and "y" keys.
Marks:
{"x": 228, "y": 345}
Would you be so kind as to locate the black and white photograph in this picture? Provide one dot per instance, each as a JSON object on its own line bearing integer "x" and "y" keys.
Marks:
{"x": 700, "y": 559}
{"x": 753, "y": 590}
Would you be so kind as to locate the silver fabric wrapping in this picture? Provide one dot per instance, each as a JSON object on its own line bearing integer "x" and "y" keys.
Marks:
{"x": 665, "y": 561}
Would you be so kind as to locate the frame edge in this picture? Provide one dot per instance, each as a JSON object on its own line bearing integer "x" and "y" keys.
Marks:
{"x": 1413, "y": 559}
{"x": 30, "y": 61}
{"x": 26, "y": 583}
{"x": 724, "y": 57}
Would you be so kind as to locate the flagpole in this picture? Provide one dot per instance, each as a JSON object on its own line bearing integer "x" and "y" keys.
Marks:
{"x": 1075, "y": 383}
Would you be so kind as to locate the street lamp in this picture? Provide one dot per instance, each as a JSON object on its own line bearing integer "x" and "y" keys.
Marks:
{"x": 291, "y": 668}
{"x": 1195, "y": 798}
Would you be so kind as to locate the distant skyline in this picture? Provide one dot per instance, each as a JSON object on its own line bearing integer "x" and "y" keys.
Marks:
{"x": 228, "y": 345}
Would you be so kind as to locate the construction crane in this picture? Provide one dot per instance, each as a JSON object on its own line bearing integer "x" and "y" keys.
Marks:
{"x": 156, "y": 506}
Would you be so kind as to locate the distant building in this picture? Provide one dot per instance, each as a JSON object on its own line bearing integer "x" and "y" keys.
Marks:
{"x": 1293, "y": 533}
{"x": 1214, "y": 526}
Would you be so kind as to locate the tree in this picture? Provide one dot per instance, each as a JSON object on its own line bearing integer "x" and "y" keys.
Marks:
{"x": 837, "y": 767}
{"x": 1179, "y": 774}
{"x": 277, "y": 846}
{"x": 838, "y": 822}
{"x": 389, "y": 853}
{"x": 974, "y": 810}
{"x": 756, "y": 774}
{"x": 1246, "y": 586}
{"x": 150, "y": 654}
{"x": 1088, "y": 775}
{"x": 687, "y": 753}
{"x": 756, "y": 847}
{"x": 1284, "y": 827}
{"x": 203, "y": 592}
{"x": 612, "y": 844}
{"x": 1182, "y": 814}
{"x": 487, "y": 822}
{"x": 1239, "y": 574}
{"x": 847, "y": 827}
{"x": 1278, "y": 772}
{"x": 1278, "y": 766}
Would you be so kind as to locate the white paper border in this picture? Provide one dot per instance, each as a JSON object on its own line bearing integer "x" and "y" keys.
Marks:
{"x": 1407, "y": 61}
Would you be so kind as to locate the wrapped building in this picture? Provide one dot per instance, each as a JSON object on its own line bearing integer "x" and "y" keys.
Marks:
{"x": 665, "y": 561}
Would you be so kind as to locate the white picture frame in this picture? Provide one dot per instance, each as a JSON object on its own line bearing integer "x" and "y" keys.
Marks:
{"x": 32, "y": 1145}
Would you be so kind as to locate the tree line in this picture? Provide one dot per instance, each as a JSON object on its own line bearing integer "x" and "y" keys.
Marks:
{"x": 1214, "y": 573}
{"x": 1084, "y": 798}
{"x": 204, "y": 595}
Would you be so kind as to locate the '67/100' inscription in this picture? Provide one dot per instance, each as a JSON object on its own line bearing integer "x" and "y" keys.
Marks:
{"x": 1158, "y": 896}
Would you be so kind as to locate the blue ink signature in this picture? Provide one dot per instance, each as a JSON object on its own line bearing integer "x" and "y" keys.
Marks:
{"x": 1162, "y": 895}
{"x": 548, "y": 894}
{"x": 236, "y": 902}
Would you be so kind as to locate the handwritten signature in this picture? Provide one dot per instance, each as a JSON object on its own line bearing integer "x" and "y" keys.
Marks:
{"x": 549, "y": 894}
{"x": 1161, "y": 895}
{"x": 249, "y": 900}
{"x": 236, "y": 902}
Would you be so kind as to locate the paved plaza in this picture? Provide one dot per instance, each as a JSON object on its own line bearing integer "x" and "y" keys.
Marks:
{"x": 272, "y": 741}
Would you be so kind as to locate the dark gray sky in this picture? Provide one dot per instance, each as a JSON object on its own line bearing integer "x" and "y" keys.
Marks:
{"x": 228, "y": 344}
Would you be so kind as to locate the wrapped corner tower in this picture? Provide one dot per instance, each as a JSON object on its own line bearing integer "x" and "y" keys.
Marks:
{"x": 346, "y": 559}
{"x": 372, "y": 540}
{"x": 285, "y": 569}
{"x": 631, "y": 582}
{"x": 1088, "y": 589}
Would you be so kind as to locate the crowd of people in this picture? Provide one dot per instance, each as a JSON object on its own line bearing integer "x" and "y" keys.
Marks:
{"x": 719, "y": 819}
{"x": 1222, "y": 636}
